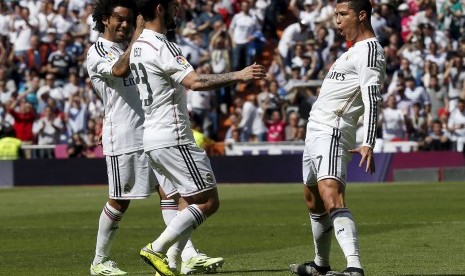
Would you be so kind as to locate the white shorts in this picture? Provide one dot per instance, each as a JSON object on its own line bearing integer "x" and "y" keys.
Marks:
{"x": 187, "y": 167}
{"x": 326, "y": 154}
{"x": 130, "y": 176}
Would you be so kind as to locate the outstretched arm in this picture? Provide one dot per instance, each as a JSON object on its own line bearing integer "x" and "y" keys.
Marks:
{"x": 199, "y": 82}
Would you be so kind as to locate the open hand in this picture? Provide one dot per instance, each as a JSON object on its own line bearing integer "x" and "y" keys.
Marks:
{"x": 252, "y": 72}
{"x": 368, "y": 156}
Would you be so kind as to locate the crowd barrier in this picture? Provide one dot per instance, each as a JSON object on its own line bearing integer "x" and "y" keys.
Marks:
{"x": 259, "y": 168}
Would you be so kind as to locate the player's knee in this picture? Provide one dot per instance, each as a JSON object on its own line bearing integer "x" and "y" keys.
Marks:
{"x": 120, "y": 205}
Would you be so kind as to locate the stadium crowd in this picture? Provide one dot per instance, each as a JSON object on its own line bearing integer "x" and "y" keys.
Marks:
{"x": 47, "y": 98}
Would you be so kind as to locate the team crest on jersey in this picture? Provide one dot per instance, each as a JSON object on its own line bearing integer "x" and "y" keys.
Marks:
{"x": 109, "y": 57}
{"x": 183, "y": 62}
{"x": 209, "y": 177}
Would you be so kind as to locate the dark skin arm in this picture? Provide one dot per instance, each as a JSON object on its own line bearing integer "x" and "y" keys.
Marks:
{"x": 121, "y": 68}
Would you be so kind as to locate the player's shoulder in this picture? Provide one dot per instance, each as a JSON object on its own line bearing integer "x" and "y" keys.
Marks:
{"x": 158, "y": 45}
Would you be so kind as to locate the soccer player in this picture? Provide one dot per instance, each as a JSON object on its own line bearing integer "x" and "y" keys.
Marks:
{"x": 351, "y": 88}
{"x": 130, "y": 176}
{"x": 160, "y": 71}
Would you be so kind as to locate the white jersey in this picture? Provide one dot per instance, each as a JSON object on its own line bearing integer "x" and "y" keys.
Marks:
{"x": 124, "y": 117}
{"x": 159, "y": 68}
{"x": 351, "y": 87}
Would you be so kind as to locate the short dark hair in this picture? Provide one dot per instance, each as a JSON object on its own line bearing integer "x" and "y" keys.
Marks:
{"x": 104, "y": 8}
{"x": 147, "y": 7}
{"x": 359, "y": 5}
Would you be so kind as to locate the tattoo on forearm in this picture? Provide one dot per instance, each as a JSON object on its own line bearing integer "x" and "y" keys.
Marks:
{"x": 212, "y": 81}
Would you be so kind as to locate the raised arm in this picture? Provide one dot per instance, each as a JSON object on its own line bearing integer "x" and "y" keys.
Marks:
{"x": 121, "y": 67}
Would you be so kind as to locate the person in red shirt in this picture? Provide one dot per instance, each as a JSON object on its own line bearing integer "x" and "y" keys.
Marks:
{"x": 24, "y": 119}
{"x": 276, "y": 127}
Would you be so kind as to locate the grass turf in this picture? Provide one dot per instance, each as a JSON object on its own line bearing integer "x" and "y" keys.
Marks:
{"x": 404, "y": 229}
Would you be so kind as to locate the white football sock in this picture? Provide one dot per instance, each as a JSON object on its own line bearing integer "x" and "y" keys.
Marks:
{"x": 322, "y": 227}
{"x": 346, "y": 235}
{"x": 169, "y": 210}
{"x": 107, "y": 226}
{"x": 181, "y": 226}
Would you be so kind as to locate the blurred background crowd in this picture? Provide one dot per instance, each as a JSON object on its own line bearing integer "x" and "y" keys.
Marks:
{"x": 47, "y": 99}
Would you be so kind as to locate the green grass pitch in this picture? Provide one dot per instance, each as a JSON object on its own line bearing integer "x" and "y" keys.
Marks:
{"x": 404, "y": 229}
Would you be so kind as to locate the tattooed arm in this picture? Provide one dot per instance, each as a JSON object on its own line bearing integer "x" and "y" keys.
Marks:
{"x": 199, "y": 82}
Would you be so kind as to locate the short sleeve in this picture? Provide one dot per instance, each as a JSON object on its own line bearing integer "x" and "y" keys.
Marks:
{"x": 174, "y": 63}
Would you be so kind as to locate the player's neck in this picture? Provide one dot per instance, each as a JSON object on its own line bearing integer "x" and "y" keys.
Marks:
{"x": 156, "y": 26}
{"x": 366, "y": 32}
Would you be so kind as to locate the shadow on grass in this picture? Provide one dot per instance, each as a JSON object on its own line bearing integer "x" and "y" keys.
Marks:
{"x": 247, "y": 271}
{"x": 430, "y": 274}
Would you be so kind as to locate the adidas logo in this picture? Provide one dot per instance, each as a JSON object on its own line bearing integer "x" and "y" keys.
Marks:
{"x": 340, "y": 231}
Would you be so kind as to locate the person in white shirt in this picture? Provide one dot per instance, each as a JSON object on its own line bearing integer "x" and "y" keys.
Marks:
{"x": 456, "y": 125}
{"x": 416, "y": 94}
{"x": 292, "y": 34}
{"x": 22, "y": 29}
{"x": 351, "y": 88}
{"x": 393, "y": 121}
{"x": 129, "y": 174}
{"x": 160, "y": 71}
{"x": 241, "y": 29}
{"x": 47, "y": 130}
{"x": 309, "y": 13}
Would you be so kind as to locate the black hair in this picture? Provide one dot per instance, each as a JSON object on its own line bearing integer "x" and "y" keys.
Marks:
{"x": 104, "y": 8}
{"x": 147, "y": 7}
{"x": 358, "y": 6}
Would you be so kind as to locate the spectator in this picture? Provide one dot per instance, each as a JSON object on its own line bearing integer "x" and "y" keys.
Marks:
{"x": 416, "y": 94}
{"x": 24, "y": 119}
{"x": 242, "y": 27}
{"x": 190, "y": 44}
{"x": 276, "y": 127}
{"x": 438, "y": 96}
{"x": 405, "y": 21}
{"x": 36, "y": 56}
{"x": 76, "y": 147}
{"x": 5, "y": 76}
{"x": 76, "y": 115}
{"x": 291, "y": 130}
{"x": 435, "y": 56}
{"x": 456, "y": 125}
{"x": 72, "y": 87}
{"x": 6, "y": 120}
{"x": 5, "y": 95}
{"x": 309, "y": 12}
{"x": 292, "y": 34}
{"x": 47, "y": 131}
{"x": 50, "y": 90}
{"x": 248, "y": 113}
{"x": 60, "y": 63}
{"x": 392, "y": 121}
{"x": 417, "y": 123}
{"x": 277, "y": 70}
{"x": 220, "y": 43}
{"x": 206, "y": 21}
{"x": 62, "y": 21}
{"x": 437, "y": 139}
{"x": 201, "y": 139}
{"x": 10, "y": 146}
{"x": 426, "y": 16}
{"x": 23, "y": 26}
{"x": 454, "y": 77}
{"x": 450, "y": 17}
